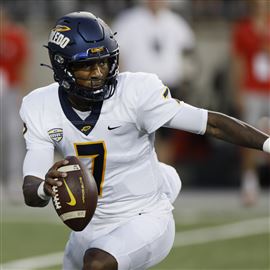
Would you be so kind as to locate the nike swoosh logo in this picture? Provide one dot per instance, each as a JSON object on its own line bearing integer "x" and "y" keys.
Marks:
{"x": 71, "y": 196}
{"x": 111, "y": 128}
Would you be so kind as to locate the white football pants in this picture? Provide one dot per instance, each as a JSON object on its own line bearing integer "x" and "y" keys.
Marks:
{"x": 139, "y": 243}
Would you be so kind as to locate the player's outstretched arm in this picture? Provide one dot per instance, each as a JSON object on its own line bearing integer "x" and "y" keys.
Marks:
{"x": 237, "y": 132}
{"x": 38, "y": 192}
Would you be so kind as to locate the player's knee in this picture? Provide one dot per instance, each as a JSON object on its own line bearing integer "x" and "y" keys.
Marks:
{"x": 97, "y": 259}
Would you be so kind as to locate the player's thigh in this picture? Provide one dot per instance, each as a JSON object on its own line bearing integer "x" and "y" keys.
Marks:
{"x": 79, "y": 242}
{"x": 141, "y": 242}
{"x": 75, "y": 248}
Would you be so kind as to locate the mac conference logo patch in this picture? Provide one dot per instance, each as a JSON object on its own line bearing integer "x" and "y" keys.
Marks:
{"x": 56, "y": 134}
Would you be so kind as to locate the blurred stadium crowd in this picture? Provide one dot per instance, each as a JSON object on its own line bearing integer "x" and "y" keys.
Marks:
{"x": 195, "y": 10}
{"x": 207, "y": 62}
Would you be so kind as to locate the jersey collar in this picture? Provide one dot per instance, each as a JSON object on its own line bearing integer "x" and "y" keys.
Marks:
{"x": 86, "y": 125}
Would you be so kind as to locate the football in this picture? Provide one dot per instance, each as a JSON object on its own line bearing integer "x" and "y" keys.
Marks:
{"x": 76, "y": 200}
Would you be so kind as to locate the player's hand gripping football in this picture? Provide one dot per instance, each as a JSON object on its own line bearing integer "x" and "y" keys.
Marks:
{"x": 52, "y": 176}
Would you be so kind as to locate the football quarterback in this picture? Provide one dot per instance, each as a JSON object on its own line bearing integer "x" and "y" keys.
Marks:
{"x": 108, "y": 120}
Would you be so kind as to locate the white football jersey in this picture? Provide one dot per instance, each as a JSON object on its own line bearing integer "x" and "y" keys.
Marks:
{"x": 116, "y": 140}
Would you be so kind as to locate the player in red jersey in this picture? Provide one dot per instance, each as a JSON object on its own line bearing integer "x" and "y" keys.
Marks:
{"x": 251, "y": 55}
{"x": 13, "y": 67}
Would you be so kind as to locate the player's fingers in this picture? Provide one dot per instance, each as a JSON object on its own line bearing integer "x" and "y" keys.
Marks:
{"x": 49, "y": 185}
{"x": 48, "y": 189}
{"x": 52, "y": 176}
{"x": 53, "y": 181}
{"x": 59, "y": 164}
{"x": 55, "y": 174}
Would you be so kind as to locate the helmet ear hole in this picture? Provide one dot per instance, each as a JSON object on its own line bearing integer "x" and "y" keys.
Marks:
{"x": 79, "y": 37}
{"x": 59, "y": 59}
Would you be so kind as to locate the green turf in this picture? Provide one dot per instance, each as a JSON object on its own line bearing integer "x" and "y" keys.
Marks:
{"x": 244, "y": 253}
{"x": 28, "y": 232}
{"x": 22, "y": 240}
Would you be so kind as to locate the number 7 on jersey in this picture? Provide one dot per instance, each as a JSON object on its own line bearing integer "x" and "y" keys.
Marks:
{"x": 97, "y": 152}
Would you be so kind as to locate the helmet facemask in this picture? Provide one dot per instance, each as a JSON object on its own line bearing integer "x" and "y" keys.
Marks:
{"x": 64, "y": 74}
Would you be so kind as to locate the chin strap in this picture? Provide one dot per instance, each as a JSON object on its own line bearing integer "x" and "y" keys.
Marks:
{"x": 45, "y": 65}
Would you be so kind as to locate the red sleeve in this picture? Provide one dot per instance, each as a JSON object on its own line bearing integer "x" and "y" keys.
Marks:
{"x": 237, "y": 37}
{"x": 22, "y": 43}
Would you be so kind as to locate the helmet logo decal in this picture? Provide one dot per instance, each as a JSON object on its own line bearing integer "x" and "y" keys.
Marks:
{"x": 61, "y": 28}
{"x": 57, "y": 38}
{"x": 96, "y": 50}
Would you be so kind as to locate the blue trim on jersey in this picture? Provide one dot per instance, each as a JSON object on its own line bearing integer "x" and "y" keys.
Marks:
{"x": 86, "y": 125}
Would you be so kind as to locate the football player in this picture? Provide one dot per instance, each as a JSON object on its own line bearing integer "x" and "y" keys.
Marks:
{"x": 108, "y": 119}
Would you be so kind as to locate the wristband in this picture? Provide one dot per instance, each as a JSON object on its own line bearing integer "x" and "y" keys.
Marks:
{"x": 266, "y": 146}
{"x": 41, "y": 193}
